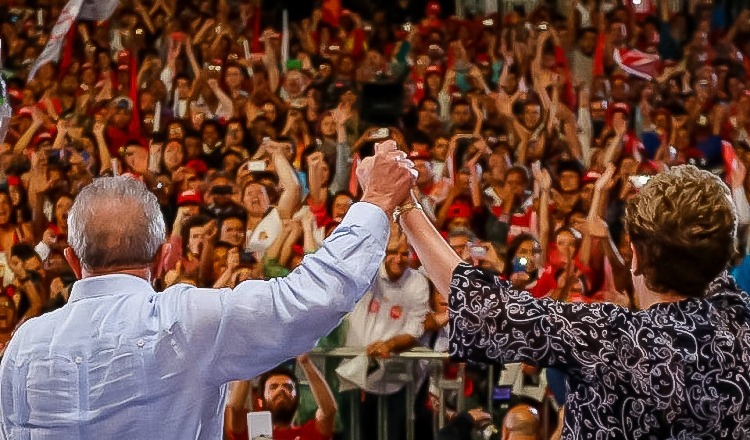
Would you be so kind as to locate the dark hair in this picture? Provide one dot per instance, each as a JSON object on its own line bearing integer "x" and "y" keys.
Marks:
{"x": 330, "y": 200}
{"x": 234, "y": 215}
{"x": 683, "y": 226}
{"x": 23, "y": 251}
{"x": 278, "y": 371}
{"x": 513, "y": 248}
{"x": 522, "y": 171}
{"x": 192, "y": 222}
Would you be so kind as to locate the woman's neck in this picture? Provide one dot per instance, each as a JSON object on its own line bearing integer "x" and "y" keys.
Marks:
{"x": 646, "y": 298}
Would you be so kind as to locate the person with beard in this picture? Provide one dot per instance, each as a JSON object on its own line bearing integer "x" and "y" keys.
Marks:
{"x": 581, "y": 59}
{"x": 279, "y": 390}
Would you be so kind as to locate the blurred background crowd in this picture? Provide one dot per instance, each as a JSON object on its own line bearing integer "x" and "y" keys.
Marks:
{"x": 530, "y": 123}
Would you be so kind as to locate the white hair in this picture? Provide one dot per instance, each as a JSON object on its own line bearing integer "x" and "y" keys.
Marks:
{"x": 115, "y": 222}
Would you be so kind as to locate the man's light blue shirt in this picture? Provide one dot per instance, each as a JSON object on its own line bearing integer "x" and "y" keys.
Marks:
{"x": 121, "y": 361}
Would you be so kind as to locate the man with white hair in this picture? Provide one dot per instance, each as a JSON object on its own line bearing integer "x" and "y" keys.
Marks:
{"x": 121, "y": 361}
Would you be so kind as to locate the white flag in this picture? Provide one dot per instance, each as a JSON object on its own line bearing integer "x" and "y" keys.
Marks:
{"x": 73, "y": 10}
{"x": 97, "y": 9}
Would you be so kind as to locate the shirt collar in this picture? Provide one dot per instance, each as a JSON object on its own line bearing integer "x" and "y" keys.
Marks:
{"x": 109, "y": 285}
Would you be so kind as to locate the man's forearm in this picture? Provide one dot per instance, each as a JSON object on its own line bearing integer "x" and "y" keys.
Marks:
{"x": 438, "y": 258}
{"x": 321, "y": 393}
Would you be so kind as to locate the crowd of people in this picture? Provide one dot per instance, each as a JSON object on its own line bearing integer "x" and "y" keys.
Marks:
{"x": 529, "y": 129}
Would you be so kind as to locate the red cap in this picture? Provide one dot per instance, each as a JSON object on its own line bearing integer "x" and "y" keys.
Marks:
{"x": 198, "y": 166}
{"x": 189, "y": 196}
{"x": 433, "y": 69}
{"x": 123, "y": 57}
{"x": 15, "y": 93}
{"x": 42, "y": 137}
{"x": 618, "y": 107}
{"x": 591, "y": 176}
{"x": 459, "y": 210}
{"x": 419, "y": 155}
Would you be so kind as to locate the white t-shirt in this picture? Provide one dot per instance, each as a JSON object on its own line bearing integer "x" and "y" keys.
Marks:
{"x": 389, "y": 309}
{"x": 262, "y": 237}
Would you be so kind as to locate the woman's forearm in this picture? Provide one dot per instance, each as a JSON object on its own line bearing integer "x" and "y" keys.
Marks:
{"x": 438, "y": 258}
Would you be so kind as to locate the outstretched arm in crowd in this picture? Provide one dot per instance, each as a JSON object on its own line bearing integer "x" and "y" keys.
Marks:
{"x": 342, "y": 173}
{"x": 600, "y": 188}
{"x": 545, "y": 184}
{"x": 290, "y": 198}
{"x": 235, "y": 416}
{"x": 309, "y": 224}
{"x": 28, "y": 135}
{"x": 318, "y": 191}
{"x": 325, "y": 416}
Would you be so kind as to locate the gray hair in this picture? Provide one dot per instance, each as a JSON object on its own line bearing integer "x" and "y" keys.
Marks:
{"x": 115, "y": 222}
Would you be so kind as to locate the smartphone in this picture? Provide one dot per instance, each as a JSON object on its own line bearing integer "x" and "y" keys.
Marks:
{"x": 221, "y": 190}
{"x": 256, "y": 165}
{"x": 380, "y": 133}
{"x": 478, "y": 252}
{"x": 501, "y": 394}
{"x": 406, "y": 27}
{"x": 520, "y": 264}
{"x": 543, "y": 27}
{"x": 639, "y": 181}
{"x": 489, "y": 22}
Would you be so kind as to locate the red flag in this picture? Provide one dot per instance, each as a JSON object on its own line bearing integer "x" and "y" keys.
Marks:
{"x": 332, "y": 11}
{"x": 135, "y": 124}
{"x": 67, "y": 58}
{"x": 256, "y": 30}
{"x": 599, "y": 55}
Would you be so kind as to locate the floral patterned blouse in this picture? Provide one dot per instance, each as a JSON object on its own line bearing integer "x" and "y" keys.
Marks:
{"x": 678, "y": 370}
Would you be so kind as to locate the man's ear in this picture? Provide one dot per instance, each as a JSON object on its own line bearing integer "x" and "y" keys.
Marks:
{"x": 73, "y": 261}
{"x": 156, "y": 264}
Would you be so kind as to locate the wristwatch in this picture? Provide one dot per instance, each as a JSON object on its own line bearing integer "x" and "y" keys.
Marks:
{"x": 405, "y": 208}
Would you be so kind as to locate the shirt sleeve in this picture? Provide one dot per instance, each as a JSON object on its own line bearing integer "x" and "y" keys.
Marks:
{"x": 491, "y": 323}
{"x": 241, "y": 333}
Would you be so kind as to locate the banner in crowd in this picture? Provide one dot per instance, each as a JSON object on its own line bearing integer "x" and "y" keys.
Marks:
{"x": 73, "y": 10}
{"x": 331, "y": 11}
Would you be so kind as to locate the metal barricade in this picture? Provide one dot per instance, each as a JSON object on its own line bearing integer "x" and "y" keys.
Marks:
{"x": 436, "y": 361}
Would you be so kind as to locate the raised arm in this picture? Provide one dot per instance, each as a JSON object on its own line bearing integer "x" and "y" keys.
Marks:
{"x": 288, "y": 180}
{"x": 249, "y": 330}
{"x": 325, "y": 416}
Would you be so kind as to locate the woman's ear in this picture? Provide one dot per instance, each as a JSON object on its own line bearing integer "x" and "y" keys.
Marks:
{"x": 634, "y": 266}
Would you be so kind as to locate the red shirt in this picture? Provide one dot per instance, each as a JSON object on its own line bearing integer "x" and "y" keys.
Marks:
{"x": 308, "y": 431}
